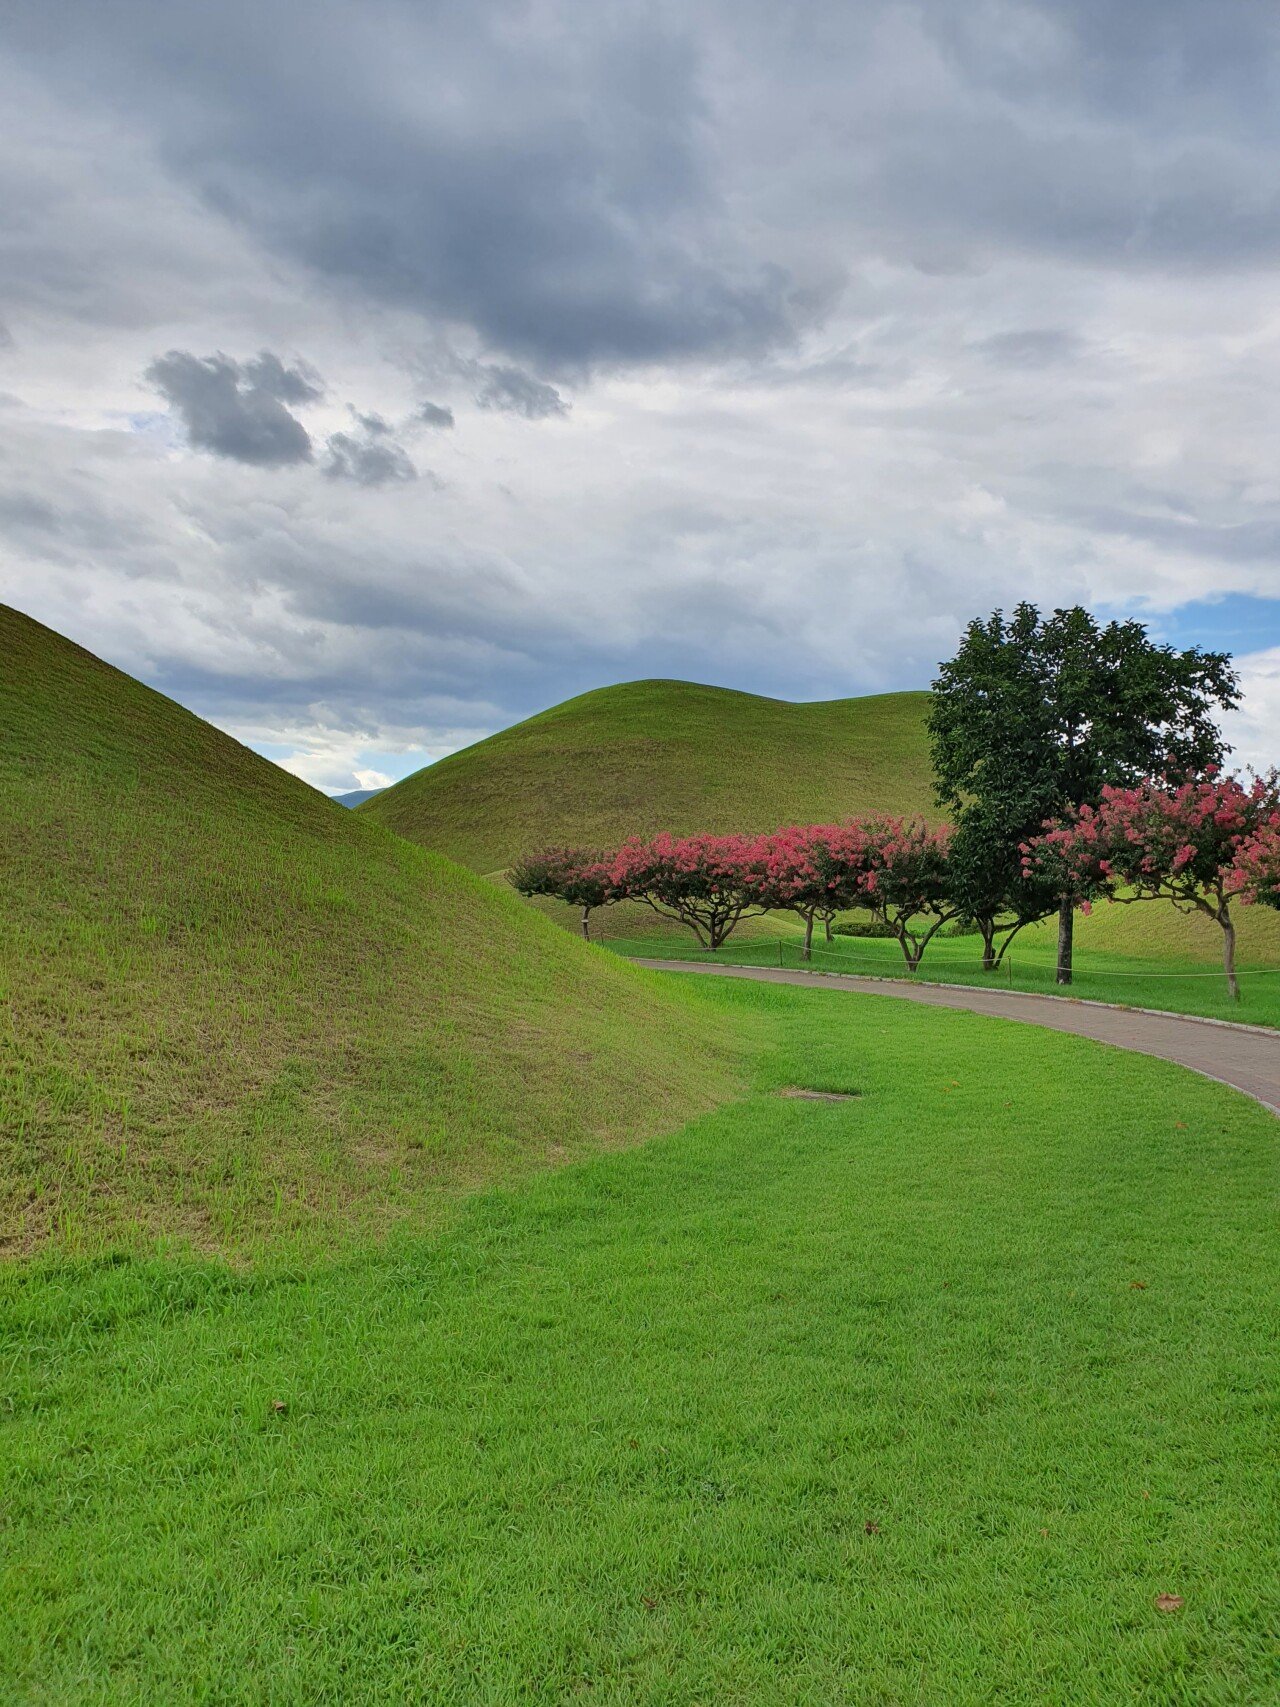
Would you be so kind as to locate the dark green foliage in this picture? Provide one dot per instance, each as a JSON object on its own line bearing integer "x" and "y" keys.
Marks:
{"x": 1036, "y": 714}
{"x": 872, "y": 927}
{"x": 987, "y": 879}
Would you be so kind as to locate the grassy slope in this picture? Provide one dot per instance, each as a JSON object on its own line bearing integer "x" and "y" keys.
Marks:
{"x": 231, "y": 1007}
{"x": 620, "y": 1435}
{"x": 663, "y": 756}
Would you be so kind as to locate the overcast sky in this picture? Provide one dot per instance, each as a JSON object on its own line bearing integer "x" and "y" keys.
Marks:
{"x": 375, "y": 374}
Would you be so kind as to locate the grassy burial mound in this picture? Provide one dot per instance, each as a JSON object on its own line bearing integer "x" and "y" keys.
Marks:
{"x": 232, "y": 1008}
{"x": 658, "y": 755}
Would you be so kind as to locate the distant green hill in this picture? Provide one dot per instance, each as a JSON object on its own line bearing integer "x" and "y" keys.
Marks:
{"x": 232, "y": 1009}
{"x": 661, "y": 755}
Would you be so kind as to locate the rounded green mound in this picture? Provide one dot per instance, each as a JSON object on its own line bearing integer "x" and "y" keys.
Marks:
{"x": 658, "y": 755}
{"x": 235, "y": 1009}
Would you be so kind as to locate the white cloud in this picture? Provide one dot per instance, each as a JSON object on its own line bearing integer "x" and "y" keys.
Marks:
{"x": 1254, "y": 730}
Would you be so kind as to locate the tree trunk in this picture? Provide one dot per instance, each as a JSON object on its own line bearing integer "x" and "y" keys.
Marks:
{"x": 827, "y": 923}
{"x": 1229, "y": 953}
{"x": 988, "y": 929}
{"x": 586, "y": 923}
{"x": 808, "y": 936}
{"x": 1066, "y": 928}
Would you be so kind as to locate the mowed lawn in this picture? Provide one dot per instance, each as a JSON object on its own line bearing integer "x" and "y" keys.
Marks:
{"x": 1164, "y": 979}
{"x": 920, "y": 1397}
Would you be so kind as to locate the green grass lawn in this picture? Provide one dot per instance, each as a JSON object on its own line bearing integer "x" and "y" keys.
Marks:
{"x": 1176, "y": 984}
{"x": 660, "y": 755}
{"x": 922, "y": 1397}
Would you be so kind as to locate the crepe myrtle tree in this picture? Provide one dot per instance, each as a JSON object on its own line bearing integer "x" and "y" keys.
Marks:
{"x": 1257, "y": 870}
{"x": 573, "y": 875}
{"x": 1035, "y": 715}
{"x": 1179, "y": 842}
{"x": 696, "y": 880}
{"x": 906, "y": 879}
{"x": 807, "y": 869}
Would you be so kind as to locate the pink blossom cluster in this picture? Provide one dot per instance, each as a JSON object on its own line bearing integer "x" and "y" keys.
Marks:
{"x": 1256, "y": 874}
{"x": 1181, "y": 841}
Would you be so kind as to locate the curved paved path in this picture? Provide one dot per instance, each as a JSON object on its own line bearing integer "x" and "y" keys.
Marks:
{"x": 1247, "y": 1057}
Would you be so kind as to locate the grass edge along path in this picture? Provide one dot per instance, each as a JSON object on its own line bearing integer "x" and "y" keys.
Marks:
{"x": 1111, "y": 980}
{"x": 1246, "y": 1059}
{"x": 926, "y": 1396}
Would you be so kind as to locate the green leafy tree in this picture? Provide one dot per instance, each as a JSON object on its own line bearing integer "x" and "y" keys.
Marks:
{"x": 990, "y": 884}
{"x": 1037, "y": 714}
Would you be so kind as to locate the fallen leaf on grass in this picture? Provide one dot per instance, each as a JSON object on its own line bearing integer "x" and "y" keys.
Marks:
{"x": 1137, "y": 1286}
{"x": 649, "y": 1605}
{"x": 279, "y": 1407}
{"x": 1168, "y": 1603}
{"x": 870, "y": 1528}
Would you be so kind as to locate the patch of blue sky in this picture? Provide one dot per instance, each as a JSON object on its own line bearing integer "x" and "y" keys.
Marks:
{"x": 1239, "y": 623}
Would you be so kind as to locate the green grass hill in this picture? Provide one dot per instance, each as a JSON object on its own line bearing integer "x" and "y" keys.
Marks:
{"x": 231, "y": 1009}
{"x": 660, "y": 755}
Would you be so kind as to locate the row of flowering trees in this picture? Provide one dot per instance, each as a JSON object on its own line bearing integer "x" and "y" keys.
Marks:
{"x": 1200, "y": 844}
{"x": 709, "y": 883}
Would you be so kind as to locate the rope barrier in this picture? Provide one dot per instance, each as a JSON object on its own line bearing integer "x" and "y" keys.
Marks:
{"x": 1085, "y": 971}
{"x": 780, "y": 944}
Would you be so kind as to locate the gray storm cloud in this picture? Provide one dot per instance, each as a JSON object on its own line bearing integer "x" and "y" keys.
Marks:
{"x": 370, "y": 456}
{"x": 517, "y": 393}
{"x": 237, "y": 409}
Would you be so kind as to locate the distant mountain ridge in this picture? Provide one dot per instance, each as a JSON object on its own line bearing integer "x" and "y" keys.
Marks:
{"x": 356, "y": 796}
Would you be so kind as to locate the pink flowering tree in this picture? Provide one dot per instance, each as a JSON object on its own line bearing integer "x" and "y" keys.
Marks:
{"x": 573, "y": 875}
{"x": 1256, "y": 876}
{"x": 700, "y": 881}
{"x": 1179, "y": 842}
{"x": 907, "y": 879}
{"x": 808, "y": 870}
